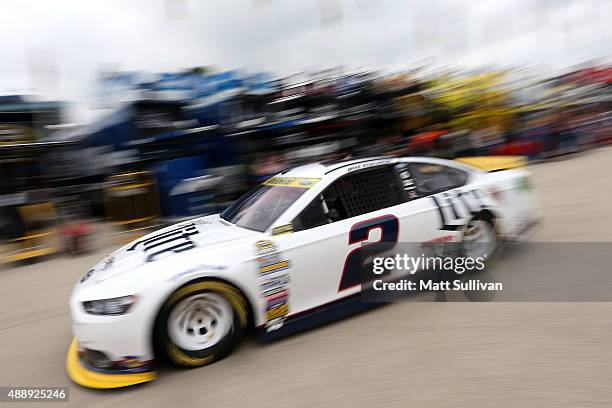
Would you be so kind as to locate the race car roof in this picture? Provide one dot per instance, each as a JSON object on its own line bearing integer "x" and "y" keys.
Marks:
{"x": 320, "y": 169}
{"x": 325, "y": 169}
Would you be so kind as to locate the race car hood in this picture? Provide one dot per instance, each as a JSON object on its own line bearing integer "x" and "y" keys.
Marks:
{"x": 201, "y": 233}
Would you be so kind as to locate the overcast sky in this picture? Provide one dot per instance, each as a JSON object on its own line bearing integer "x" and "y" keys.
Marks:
{"x": 56, "y": 47}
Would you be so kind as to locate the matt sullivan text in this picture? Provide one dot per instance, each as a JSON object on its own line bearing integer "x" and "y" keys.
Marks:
{"x": 457, "y": 284}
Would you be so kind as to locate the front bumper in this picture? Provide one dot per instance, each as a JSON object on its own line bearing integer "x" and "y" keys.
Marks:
{"x": 83, "y": 375}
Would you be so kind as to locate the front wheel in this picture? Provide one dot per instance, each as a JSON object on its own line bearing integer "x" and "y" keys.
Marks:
{"x": 200, "y": 323}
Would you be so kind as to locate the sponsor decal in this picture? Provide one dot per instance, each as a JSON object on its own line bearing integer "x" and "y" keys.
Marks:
{"x": 374, "y": 163}
{"x": 265, "y": 246}
{"x": 306, "y": 183}
{"x": 282, "y": 229}
{"x": 196, "y": 269}
{"x": 277, "y": 308}
{"x": 457, "y": 207}
{"x": 273, "y": 268}
{"x": 268, "y": 259}
{"x": 174, "y": 241}
{"x": 297, "y": 182}
{"x": 131, "y": 362}
{"x": 133, "y": 365}
{"x": 439, "y": 240}
{"x": 277, "y": 299}
{"x": 274, "y": 313}
{"x": 273, "y": 283}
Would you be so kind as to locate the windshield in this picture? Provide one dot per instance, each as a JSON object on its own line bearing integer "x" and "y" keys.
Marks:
{"x": 261, "y": 206}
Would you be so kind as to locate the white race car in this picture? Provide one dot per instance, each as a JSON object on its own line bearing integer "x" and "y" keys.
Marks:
{"x": 284, "y": 257}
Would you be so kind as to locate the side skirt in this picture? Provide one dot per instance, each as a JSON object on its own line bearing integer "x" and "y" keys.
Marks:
{"x": 318, "y": 316}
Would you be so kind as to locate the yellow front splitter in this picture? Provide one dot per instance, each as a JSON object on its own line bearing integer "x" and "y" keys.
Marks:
{"x": 92, "y": 379}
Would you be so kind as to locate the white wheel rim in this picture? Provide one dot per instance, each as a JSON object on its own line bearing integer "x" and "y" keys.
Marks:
{"x": 200, "y": 321}
{"x": 478, "y": 239}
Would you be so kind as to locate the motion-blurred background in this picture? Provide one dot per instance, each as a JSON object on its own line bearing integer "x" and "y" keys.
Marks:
{"x": 119, "y": 116}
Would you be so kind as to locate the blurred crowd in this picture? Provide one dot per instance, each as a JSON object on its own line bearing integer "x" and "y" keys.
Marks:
{"x": 457, "y": 114}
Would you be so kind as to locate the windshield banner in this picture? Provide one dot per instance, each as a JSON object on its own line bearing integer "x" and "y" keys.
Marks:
{"x": 299, "y": 182}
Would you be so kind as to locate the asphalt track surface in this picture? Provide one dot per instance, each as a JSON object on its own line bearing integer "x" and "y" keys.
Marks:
{"x": 425, "y": 354}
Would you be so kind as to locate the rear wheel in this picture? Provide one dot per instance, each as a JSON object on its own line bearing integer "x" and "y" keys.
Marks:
{"x": 479, "y": 238}
{"x": 201, "y": 323}
{"x": 479, "y": 241}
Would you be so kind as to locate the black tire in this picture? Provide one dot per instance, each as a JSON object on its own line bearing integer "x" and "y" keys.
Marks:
{"x": 166, "y": 348}
{"x": 483, "y": 275}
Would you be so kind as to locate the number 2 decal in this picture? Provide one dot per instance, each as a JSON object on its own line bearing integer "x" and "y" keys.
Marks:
{"x": 389, "y": 231}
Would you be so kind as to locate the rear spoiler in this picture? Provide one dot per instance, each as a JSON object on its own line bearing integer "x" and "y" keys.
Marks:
{"x": 494, "y": 163}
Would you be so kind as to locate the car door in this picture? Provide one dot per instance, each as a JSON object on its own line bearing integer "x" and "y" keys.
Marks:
{"x": 362, "y": 207}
